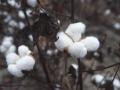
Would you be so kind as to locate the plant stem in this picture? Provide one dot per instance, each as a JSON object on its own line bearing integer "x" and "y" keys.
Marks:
{"x": 44, "y": 66}
{"x": 80, "y": 81}
{"x": 72, "y": 10}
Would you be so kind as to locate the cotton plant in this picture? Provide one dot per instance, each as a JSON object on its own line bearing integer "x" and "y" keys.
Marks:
{"x": 21, "y": 61}
{"x": 71, "y": 41}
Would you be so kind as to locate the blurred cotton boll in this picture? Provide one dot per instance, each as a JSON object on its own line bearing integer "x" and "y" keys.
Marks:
{"x": 12, "y": 68}
{"x": 77, "y": 50}
{"x": 26, "y": 63}
{"x": 23, "y": 50}
{"x": 63, "y": 41}
{"x": 21, "y": 14}
{"x": 11, "y": 49}
{"x": 32, "y": 3}
{"x": 91, "y": 43}
{"x": 3, "y": 49}
{"x": 12, "y": 58}
{"x": 98, "y": 79}
{"x": 75, "y": 30}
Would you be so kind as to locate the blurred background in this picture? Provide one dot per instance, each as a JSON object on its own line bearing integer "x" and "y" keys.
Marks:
{"x": 102, "y": 19}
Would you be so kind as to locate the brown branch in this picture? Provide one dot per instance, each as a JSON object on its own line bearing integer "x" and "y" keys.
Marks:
{"x": 100, "y": 69}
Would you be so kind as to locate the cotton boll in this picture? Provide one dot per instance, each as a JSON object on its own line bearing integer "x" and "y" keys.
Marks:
{"x": 3, "y": 49}
{"x": 21, "y": 25}
{"x": 8, "y": 38}
{"x": 32, "y": 3}
{"x": 11, "y": 2}
{"x": 12, "y": 68}
{"x": 13, "y": 23}
{"x": 12, "y": 49}
{"x": 75, "y": 30}
{"x": 7, "y": 44}
{"x": 11, "y": 58}
{"x": 77, "y": 50}
{"x": 23, "y": 50}
{"x": 116, "y": 83}
{"x": 98, "y": 79}
{"x": 91, "y": 43}
{"x": 30, "y": 37}
{"x": 75, "y": 66}
{"x": 63, "y": 41}
{"x": 28, "y": 12}
{"x": 21, "y": 14}
{"x": 26, "y": 63}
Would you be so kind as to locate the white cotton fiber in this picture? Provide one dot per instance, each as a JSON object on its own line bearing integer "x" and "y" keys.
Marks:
{"x": 12, "y": 68}
{"x": 32, "y": 3}
{"x": 99, "y": 79}
{"x": 63, "y": 41}
{"x": 23, "y": 50}
{"x": 11, "y": 49}
{"x": 26, "y": 63}
{"x": 11, "y": 58}
{"x": 77, "y": 50}
{"x": 75, "y": 30}
{"x": 91, "y": 43}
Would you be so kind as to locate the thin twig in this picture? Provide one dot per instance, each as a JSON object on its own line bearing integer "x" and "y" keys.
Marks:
{"x": 116, "y": 73}
{"x": 40, "y": 53}
{"x": 72, "y": 10}
{"x": 99, "y": 69}
{"x": 80, "y": 81}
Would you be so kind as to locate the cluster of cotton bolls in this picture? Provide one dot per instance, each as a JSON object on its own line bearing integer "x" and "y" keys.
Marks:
{"x": 7, "y": 45}
{"x": 32, "y": 3}
{"x": 101, "y": 81}
{"x": 72, "y": 42}
{"x": 21, "y": 61}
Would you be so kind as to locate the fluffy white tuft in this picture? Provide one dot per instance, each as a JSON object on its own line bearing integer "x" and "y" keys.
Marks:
{"x": 11, "y": 58}
{"x": 75, "y": 30}
{"x": 26, "y": 63}
{"x": 12, "y": 49}
{"x": 116, "y": 83}
{"x": 23, "y": 50}
{"x": 3, "y": 49}
{"x": 91, "y": 43}
{"x": 32, "y": 3}
{"x": 21, "y": 14}
{"x": 12, "y": 68}
{"x": 75, "y": 66}
{"x": 77, "y": 50}
{"x": 99, "y": 79}
{"x": 63, "y": 41}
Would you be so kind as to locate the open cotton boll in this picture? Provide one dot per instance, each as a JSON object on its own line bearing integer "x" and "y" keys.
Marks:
{"x": 75, "y": 30}
{"x": 32, "y": 3}
{"x": 21, "y": 14}
{"x": 8, "y": 38}
{"x": 99, "y": 79}
{"x": 12, "y": 69}
{"x": 91, "y": 43}
{"x": 26, "y": 63}
{"x": 7, "y": 44}
{"x": 116, "y": 83}
{"x": 12, "y": 49}
{"x": 23, "y": 50}
{"x": 77, "y": 50}
{"x": 63, "y": 41}
{"x": 11, "y": 58}
{"x": 3, "y": 49}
